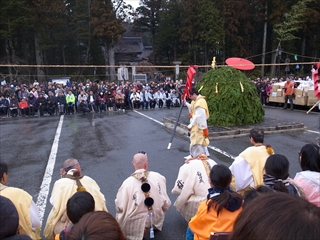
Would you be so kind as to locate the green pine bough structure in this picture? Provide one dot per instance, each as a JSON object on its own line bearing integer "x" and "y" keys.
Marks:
{"x": 232, "y": 98}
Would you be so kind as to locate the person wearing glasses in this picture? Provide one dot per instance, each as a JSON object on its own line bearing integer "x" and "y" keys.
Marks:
{"x": 309, "y": 178}
{"x": 142, "y": 200}
{"x": 72, "y": 180}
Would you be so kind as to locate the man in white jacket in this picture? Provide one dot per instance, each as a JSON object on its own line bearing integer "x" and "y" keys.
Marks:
{"x": 141, "y": 201}
{"x": 192, "y": 183}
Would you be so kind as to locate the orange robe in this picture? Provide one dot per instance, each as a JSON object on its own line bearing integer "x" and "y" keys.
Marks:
{"x": 205, "y": 222}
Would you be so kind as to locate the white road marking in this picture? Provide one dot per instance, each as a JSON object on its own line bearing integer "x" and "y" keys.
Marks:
{"x": 211, "y": 147}
{"x": 313, "y": 131}
{"x": 45, "y": 186}
{"x": 149, "y": 117}
{"x": 221, "y": 152}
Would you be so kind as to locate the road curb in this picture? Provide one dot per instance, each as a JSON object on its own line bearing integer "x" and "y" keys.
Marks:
{"x": 183, "y": 130}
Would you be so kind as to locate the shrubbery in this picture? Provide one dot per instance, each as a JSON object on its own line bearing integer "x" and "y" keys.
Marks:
{"x": 230, "y": 106}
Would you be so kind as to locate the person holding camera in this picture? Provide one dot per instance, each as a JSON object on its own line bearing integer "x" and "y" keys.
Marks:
{"x": 92, "y": 101}
{"x": 135, "y": 99}
{"x": 102, "y": 101}
{"x": 120, "y": 101}
{"x": 83, "y": 107}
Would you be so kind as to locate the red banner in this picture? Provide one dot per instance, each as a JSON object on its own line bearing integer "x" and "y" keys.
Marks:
{"x": 190, "y": 74}
{"x": 316, "y": 80}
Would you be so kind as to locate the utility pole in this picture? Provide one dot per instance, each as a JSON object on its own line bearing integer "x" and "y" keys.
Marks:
{"x": 263, "y": 60}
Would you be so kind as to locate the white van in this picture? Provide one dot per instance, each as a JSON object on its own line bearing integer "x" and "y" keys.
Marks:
{"x": 140, "y": 77}
{"x": 60, "y": 80}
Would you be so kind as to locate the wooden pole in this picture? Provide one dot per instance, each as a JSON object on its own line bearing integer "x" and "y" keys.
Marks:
{"x": 313, "y": 107}
{"x": 175, "y": 126}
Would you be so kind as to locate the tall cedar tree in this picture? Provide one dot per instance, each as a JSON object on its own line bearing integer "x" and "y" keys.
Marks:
{"x": 13, "y": 26}
{"x": 147, "y": 18}
{"x": 213, "y": 35}
{"x": 166, "y": 47}
{"x": 108, "y": 28}
{"x": 58, "y": 32}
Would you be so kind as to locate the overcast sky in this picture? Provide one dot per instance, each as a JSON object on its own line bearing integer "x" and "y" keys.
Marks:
{"x": 133, "y": 3}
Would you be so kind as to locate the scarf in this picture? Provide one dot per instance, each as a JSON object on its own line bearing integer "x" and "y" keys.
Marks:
{"x": 234, "y": 202}
{"x": 213, "y": 192}
{"x": 271, "y": 180}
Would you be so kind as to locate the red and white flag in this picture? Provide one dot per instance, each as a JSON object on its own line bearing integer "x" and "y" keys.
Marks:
{"x": 316, "y": 80}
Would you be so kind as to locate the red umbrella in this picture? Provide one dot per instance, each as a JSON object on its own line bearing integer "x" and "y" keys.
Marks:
{"x": 240, "y": 63}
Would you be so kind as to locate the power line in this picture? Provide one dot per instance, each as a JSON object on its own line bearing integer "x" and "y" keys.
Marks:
{"x": 153, "y": 66}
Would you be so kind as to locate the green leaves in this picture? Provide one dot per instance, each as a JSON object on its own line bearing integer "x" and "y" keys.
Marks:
{"x": 292, "y": 21}
{"x": 231, "y": 106}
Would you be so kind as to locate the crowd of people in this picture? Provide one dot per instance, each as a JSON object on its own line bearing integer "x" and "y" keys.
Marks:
{"x": 264, "y": 87}
{"x": 18, "y": 99}
{"x": 254, "y": 198}
{"x": 57, "y": 99}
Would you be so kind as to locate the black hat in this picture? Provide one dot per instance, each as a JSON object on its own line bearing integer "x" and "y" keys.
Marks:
{"x": 194, "y": 91}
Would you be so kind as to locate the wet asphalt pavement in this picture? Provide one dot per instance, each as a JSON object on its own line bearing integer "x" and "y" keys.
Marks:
{"x": 105, "y": 143}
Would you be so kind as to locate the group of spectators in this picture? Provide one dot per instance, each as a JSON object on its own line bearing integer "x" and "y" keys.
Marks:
{"x": 254, "y": 198}
{"x": 57, "y": 99}
{"x": 264, "y": 87}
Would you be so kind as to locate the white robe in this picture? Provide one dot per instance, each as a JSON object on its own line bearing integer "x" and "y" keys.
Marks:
{"x": 241, "y": 171}
{"x": 192, "y": 186}
{"x": 131, "y": 212}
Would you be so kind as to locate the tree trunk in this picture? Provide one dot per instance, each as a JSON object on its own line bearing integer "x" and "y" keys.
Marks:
{"x": 39, "y": 61}
{"x": 274, "y": 60}
{"x": 205, "y": 57}
{"x": 64, "y": 59}
{"x": 106, "y": 61}
{"x": 174, "y": 51}
{"x": 263, "y": 60}
{"x": 8, "y": 57}
{"x": 85, "y": 61}
{"x": 194, "y": 53}
{"x": 303, "y": 51}
{"x": 112, "y": 69}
